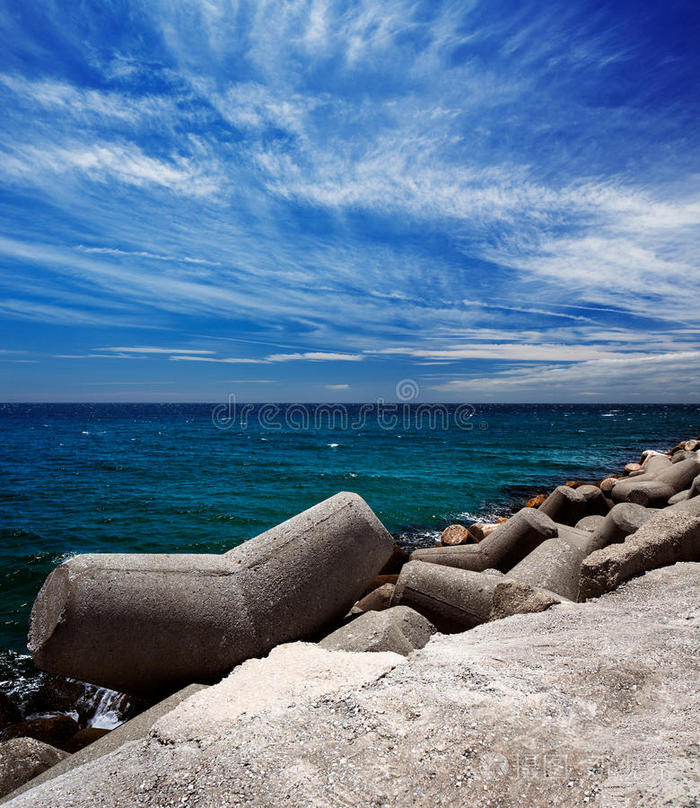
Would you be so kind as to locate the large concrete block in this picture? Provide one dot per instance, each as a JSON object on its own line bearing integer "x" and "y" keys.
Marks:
{"x": 555, "y": 565}
{"x": 502, "y": 549}
{"x": 452, "y": 599}
{"x": 399, "y": 629}
{"x": 654, "y": 490}
{"x": 512, "y": 597}
{"x": 669, "y": 536}
{"x": 623, "y": 519}
{"x": 150, "y": 623}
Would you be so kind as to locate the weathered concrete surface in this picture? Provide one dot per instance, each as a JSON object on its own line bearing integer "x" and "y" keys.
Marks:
{"x": 666, "y": 538}
{"x": 502, "y": 549}
{"x": 21, "y": 759}
{"x": 584, "y": 704}
{"x": 135, "y": 729}
{"x": 452, "y": 599}
{"x": 150, "y": 623}
{"x": 512, "y": 597}
{"x": 399, "y": 629}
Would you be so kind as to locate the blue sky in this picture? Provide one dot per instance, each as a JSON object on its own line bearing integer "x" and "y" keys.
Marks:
{"x": 312, "y": 200}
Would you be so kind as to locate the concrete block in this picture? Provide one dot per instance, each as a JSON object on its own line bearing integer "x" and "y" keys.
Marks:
{"x": 399, "y": 629}
{"x": 22, "y": 759}
{"x": 150, "y": 623}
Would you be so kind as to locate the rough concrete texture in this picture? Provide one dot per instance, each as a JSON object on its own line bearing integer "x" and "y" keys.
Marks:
{"x": 656, "y": 488}
{"x": 452, "y": 599}
{"x": 666, "y": 538}
{"x": 554, "y": 565}
{"x": 132, "y": 730}
{"x": 21, "y": 759}
{"x": 582, "y": 705}
{"x": 399, "y": 629}
{"x": 590, "y": 523}
{"x": 148, "y": 623}
{"x": 623, "y": 519}
{"x": 509, "y": 543}
{"x": 512, "y": 597}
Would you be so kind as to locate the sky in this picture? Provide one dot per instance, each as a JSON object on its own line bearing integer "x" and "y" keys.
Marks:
{"x": 316, "y": 201}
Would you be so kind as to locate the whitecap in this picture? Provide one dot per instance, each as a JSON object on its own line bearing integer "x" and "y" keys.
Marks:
{"x": 333, "y": 445}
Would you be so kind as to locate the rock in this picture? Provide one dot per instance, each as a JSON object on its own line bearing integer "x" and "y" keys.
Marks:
{"x": 135, "y": 729}
{"x": 381, "y": 580}
{"x": 9, "y": 711}
{"x": 376, "y": 601}
{"x": 607, "y": 485}
{"x": 679, "y": 497}
{"x": 590, "y": 523}
{"x": 536, "y": 501}
{"x": 691, "y": 445}
{"x": 455, "y": 534}
{"x": 452, "y": 599}
{"x": 21, "y": 759}
{"x": 572, "y": 484}
{"x": 501, "y": 520}
{"x": 54, "y": 730}
{"x": 654, "y": 464}
{"x": 399, "y": 629}
{"x": 567, "y": 505}
{"x": 666, "y": 538}
{"x": 512, "y": 597}
{"x": 501, "y": 549}
{"x": 632, "y": 467}
{"x": 679, "y": 456}
{"x": 149, "y": 623}
{"x": 398, "y": 558}
{"x": 595, "y": 700}
{"x": 480, "y": 530}
{"x": 84, "y": 738}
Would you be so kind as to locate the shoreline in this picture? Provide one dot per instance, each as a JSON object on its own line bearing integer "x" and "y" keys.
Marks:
{"x": 81, "y": 708}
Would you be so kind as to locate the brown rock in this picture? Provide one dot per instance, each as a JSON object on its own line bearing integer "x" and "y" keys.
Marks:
{"x": 380, "y": 580}
{"x": 535, "y": 502}
{"x": 84, "y": 738}
{"x": 607, "y": 485}
{"x": 501, "y": 519}
{"x": 632, "y": 467}
{"x": 376, "y": 601}
{"x": 22, "y": 759}
{"x": 54, "y": 730}
{"x": 691, "y": 445}
{"x": 480, "y": 530}
{"x": 455, "y": 534}
{"x": 573, "y": 484}
{"x": 398, "y": 558}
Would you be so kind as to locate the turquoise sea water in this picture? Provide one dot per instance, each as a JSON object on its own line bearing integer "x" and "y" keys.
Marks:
{"x": 165, "y": 478}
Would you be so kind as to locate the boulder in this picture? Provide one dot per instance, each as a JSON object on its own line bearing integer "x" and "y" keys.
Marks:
{"x": 452, "y": 599}
{"x": 398, "y": 629}
{"x": 455, "y": 534}
{"x": 22, "y": 759}
{"x": 632, "y": 468}
{"x": 376, "y": 601}
{"x": 501, "y": 549}
{"x": 512, "y": 597}
{"x": 150, "y": 623}
{"x": 54, "y": 730}
{"x": 480, "y": 530}
{"x": 666, "y": 538}
{"x": 536, "y": 501}
{"x": 691, "y": 445}
{"x": 607, "y": 485}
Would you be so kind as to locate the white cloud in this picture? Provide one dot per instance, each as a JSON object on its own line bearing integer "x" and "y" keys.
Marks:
{"x": 337, "y": 386}
{"x": 316, "y": 356}
{"x": 150, "y": 349}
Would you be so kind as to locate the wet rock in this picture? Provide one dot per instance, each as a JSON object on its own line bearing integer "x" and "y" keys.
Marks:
{"x": 9, "y": 711}
{"x": 54, "y": 730}
{"x": 399, "y": 629}
{"x": 22, "y": 759}
{"x": 84, "y": 738}
{"x": 455, "y": 534}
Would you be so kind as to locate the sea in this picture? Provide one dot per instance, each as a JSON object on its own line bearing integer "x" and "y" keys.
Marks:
{"x": 184, "y": 478}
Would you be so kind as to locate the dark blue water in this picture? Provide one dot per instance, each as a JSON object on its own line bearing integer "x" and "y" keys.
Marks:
{"x": 165, "y": 478}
